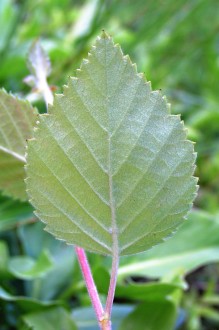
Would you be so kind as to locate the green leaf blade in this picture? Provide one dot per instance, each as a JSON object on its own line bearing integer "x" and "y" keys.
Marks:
{"x": 12, "y": 175}
{"x": 56, "y": 317}
{"x": 109, "y": 165}
{"x": 17, "y": 119}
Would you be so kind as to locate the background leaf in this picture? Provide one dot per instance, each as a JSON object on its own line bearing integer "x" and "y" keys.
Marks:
{"x": 153, "y": 316}
{"x": 61, "y": 275}
{"x": 27, "y": 304}
{"x": 109, "y": 166}
{"x": 4, "y": 253}
{"x": 55, "y": 318}
{"x": 14, "y": 213}
{"x": 17, "y": 119}
{"x": 27, "y": 268}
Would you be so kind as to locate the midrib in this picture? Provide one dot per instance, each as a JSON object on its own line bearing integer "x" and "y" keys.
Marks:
{"x": 113, "y": 231}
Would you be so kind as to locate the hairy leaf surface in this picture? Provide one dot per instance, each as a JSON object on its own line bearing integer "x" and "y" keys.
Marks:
{"x": 17, "y": 118}
{"x": 109, "y": 167}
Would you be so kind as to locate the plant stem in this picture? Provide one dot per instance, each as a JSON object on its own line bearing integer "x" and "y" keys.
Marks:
{"x": 106, "y": 324}
{"x": 91, "y": 287}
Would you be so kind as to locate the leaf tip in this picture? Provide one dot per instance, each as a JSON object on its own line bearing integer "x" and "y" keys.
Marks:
{"x": 104, "y": 35}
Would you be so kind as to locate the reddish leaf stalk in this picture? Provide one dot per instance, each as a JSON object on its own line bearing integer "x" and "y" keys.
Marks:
{"x": 91, "y": 287}
{"x": 103, "y": 316}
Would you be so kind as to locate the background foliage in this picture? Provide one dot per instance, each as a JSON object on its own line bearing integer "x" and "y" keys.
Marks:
{"x": 176, "y": 44}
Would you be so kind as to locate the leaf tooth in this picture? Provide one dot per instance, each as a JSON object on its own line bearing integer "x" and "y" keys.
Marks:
{"x": 134, "y": 65}
{"x": 165, "y": 100}
{"x": 119, "y": 49}
{"x": 65, "y": 91}
{"x": 73, "y": 79}
{"x": 85, "y": 61}
{"x": 57, "y": 96}
{"x": 35, "y": 129}
{"x": 127, "y": 58}
{"x": 149, "y": 85}
{"x": 142, "y": 76}
{"x": 169, "y": 107}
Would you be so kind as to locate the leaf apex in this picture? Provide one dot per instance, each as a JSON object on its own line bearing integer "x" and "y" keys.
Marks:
{"x": 104, "y": 35}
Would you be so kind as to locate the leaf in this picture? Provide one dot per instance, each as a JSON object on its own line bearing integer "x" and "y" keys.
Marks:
{"x": 14, "y": 213}
{"x": 159, "y": 311}
{"x": 24, "y": 267}
{"x": 109, "y": 166}
{"x": 8, "y": 16}
{"x": 59, "y": 277}
{"x": 17, "y": 119}
{"x": 151, "y": 316}
{"x": 195, "y": 244}
{"x": 4, "y": 253}
{"x": 54, "y": 318}
{"x": 85, "y": 20}
{"x": 25, "y": 303}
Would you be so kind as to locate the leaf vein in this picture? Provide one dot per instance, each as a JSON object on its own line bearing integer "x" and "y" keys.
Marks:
{"x": 72, "y": 195}
{"x": 72, "y": 219}
{"x": 52, "y": 134}
{"x": 21, "y": 137}
{"x": 136, "y": 142}
{"x": 154, "y": 196}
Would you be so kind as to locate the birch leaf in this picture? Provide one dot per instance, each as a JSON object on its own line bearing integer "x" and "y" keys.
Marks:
{"x": 109, "y": 167}
{"x": 17, "y": 118}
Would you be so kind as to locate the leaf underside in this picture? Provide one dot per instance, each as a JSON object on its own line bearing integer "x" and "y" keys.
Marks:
{"x": 17, "y": 119}
{"x": 109, "y": 163}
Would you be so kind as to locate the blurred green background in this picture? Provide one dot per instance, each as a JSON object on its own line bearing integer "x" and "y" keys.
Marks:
{"x": 176, "y": 45}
